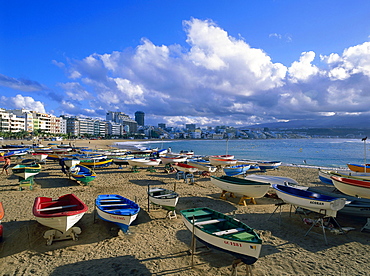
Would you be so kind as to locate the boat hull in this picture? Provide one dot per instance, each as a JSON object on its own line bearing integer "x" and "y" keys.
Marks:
{"x": 166, "y": 198}
{"x": 117, "y": 209}
{"x": 352, "y": 186}
{"x": 60, "y": 214}
{"x": 246, "y": 249}
{"x": 185, "y": 168}
{"x": 359, "y": 168}
{"x": 26, "y": 171}
{"x": 82, "y": 173}
{"x": 241, "y": 186}
{"x": 309, "y": 200}
{"x": 203, "y": 165}
{"x": 236, "y": 170}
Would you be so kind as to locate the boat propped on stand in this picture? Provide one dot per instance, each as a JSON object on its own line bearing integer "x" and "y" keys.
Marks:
{"x": 224, "y": 233}
{"x": 61, "y": 214}
{"x": 165, "y": 198}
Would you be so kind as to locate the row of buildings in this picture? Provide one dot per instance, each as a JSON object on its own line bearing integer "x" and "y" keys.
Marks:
{"x": 115, "y": 124}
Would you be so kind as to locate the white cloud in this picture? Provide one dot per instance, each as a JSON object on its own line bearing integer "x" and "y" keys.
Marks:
{"x": 19, "y": 102}
{"x": 302, "y": 70}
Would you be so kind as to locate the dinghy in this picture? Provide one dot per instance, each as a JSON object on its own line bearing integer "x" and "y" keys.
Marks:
{"x": 61, "y": 214}
{"x": 248, "y": 188}
{"x": 39, "y": 157}
{"x": 82, "y": 173}
{"x": 222, "y": 162}
{"x": 224, "y": 233}
{"x": 352, "y": 186}
{"x": 315, "y": 202}
{"x": 172, "y": 159}
{"x": 202, "y": 165}
{"x": 165, "y": 198}
{"x": 185, "y": 167}
{"x": 236, "y": 170}
{"x": 117, "y": 209}
{"x": 26, "y": 171}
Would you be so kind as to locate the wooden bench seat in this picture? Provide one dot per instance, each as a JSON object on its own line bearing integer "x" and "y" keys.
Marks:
{"x": 229, "y": 231}
{"x": 55, "y": 208}
{"x": 113, "y": 205}
{"x": 211, "y": 221}
{"x": 164, "y": 195}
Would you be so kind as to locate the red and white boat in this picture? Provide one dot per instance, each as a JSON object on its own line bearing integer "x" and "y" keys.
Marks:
{"x": 39, "y": 156}
{"x": 222, "y": 162}
{"x": 225, "y": 156}
{"x": 61, "y": 214}
{"x": 352, "y": 186}
{"x": 173, "y": 159}
{"x": 185, "y": 167}
{"x": 143, "y": 162}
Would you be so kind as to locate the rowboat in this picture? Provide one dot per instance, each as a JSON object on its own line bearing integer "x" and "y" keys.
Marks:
{"x": 61, "y": 214}
{"x": 359, "y": 167}
{"x": 224, "y": 156}
{"x": 185, "y": 167}
{"x": 82, "y": 173}
{"x": 241, "y": 186}
{"x": 40, "y": 157}
{"x": 165, "y": 198}
{"x": 222, "y": 162}
{"x": 120, "y": 161}
{"x": 325, "y": 177}
{"x": 354, "y": 207}
{"x": 223, "y": 233}
{"x": 236, "y": 170}
{"x": 315, "y": 202}
{"x": 174, "y": 159}
{"x": 117, "y": 209}
{"x": 71, "y": 161}
{"x": 268, "y": 165}
{"x": 96, "y": 163}
{"x": 352, "y": 186}
{"x": 287, "y": 181}
{"x": 26, "y": 171}
{"x": 202, "y": 165}
{"x": 143, "y": 162}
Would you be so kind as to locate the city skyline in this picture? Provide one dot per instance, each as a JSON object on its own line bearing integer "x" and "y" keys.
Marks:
{"x": 209, "y": 63}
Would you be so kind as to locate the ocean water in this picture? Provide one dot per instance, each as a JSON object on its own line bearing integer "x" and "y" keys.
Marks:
{"x": 306, "y": 152}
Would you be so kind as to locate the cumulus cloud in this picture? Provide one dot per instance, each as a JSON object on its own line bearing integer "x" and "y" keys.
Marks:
{"x": 21, "y": 102}
{"x": 217, "y": 79}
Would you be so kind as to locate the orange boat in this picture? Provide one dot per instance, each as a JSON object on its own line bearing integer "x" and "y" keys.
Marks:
{"x": 358, "y": 167}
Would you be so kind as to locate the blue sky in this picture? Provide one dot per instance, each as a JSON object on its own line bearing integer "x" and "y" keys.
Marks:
{"x": 205, "y": 62}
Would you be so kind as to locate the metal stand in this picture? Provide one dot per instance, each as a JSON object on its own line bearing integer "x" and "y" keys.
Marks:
{"x": 189, "y": 177}
{"x": 25, "y": 182}
{"x": 180, "y": 175}
{"x": 278, "y": 206}
{"x": 366, "y": 226}
{"x": 234, "y": 268}
{"x": 320, "y": 220}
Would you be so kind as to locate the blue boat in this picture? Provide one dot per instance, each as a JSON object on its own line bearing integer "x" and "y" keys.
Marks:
{"x": 117, "y": 209}
{"x": 236, "y": 170}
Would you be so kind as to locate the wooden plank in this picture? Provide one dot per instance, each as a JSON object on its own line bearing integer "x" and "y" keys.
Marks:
{"x": 164, "y": 195}
{"x": 205, "y": 222}
{"x": 229, "y": 231}
{"x": 112, "y": 205}
{"x": 56, "y": 208}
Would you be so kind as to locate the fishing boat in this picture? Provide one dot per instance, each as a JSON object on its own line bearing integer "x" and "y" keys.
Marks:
{"x": 268, "y": 165}
{"x": 185, "y": 167}
{"x": 123, "y": 160}
{"x": 93, "y": 163}
{"x": 236, "y": 170}
{"x": 71, "y": 161}
{"x": 354, "y": 207}
{"x": 39, "y": 157}
{"x": 82, "y": 173}
{"x": 315, "y": 202}
{"x": 202, "y": 165}
{"x": 222, "y": 232}
{"x": 61, "y": 214}
{"x": 246, "y": 188}
{"x": 272, "y": 179}
{"x": 117, "y": 209}
{"x": 165, "y": 198}
{"x": 222, "y": 162}
{"x": 143, "y": 162}
{"x": 26, "y": 171}
{"x": 325, "y": 177}
{"x": 359, "y": 167}
{"x": 224, "y": 156}
{"x": 172, "y": 159}
{"x": 352, "y": 186}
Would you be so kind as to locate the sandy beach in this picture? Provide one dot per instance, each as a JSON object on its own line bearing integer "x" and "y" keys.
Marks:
{"x": 157, "y": 245}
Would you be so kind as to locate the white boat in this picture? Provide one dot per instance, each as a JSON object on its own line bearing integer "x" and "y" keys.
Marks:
{"x": 70, "y": 161}
{"x": 202, "y": 165}
{"x": 287, "y": 181}
{"x": 352, "y": 186}
{"x": 315, "y": 202}
{"x": 165, "y": 198}
{"x": 61, "y": 213}
{"x": 225, "y": 233}
{"x": 222, "y": 162}
{"x": 185, "y": 167}
{"x": 248, "y": 188}
{"x": 143, "y": 162}
{"x": 174, "y": 159}
{"x": 39, "y": 157}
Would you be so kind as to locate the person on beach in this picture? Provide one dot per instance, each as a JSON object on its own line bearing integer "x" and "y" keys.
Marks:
{"x": 6, "y": 165}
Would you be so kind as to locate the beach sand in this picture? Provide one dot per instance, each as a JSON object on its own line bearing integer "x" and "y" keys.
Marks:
{"x": 160, "y": 246}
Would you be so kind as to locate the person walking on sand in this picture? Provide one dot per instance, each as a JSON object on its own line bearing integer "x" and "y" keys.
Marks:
{"x": 6, "y": 165}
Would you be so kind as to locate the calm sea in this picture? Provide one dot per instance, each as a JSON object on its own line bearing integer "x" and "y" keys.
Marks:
{"x": 311, "y": 152}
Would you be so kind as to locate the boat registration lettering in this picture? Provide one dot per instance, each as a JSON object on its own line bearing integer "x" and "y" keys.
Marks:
{"x": 317, "y": 203}
{"x": 233, "y": 243}
{"x": 115, "y": 217}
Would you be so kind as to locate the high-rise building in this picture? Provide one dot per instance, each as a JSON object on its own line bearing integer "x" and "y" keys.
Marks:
{"x": 162, "y": 125}
{"x": 123, "y": 119}
{"x": 139, "y": 118}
